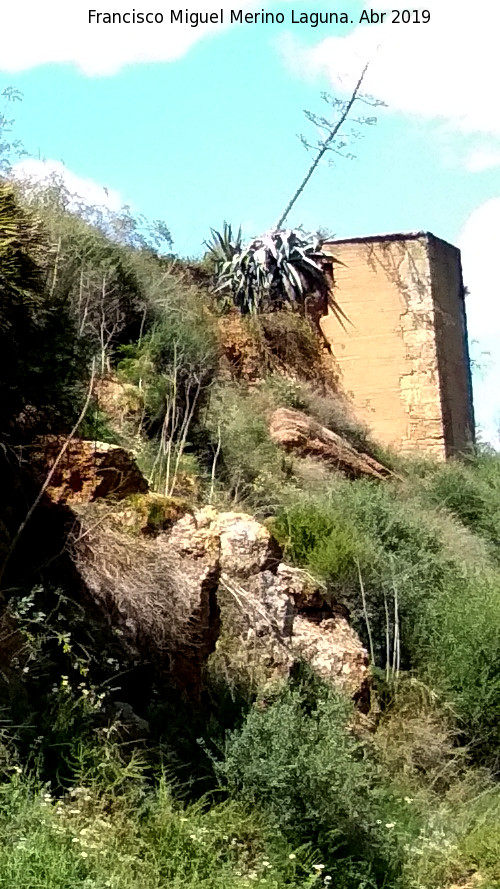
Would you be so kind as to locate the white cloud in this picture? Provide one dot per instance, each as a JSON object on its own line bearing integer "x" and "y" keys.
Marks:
{"x": 445, "y": 71}
{"x": 479, "y": 242}
{"x": 482, "y": 158}
{"x": 80, "y": 190}
{"x": 57, "y": 31}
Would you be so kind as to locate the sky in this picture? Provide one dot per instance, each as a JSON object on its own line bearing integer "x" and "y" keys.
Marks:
{"x": 195, "y": 125}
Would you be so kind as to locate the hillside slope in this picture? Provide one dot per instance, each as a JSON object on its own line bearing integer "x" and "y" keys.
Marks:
{"x": 224, "y": 661}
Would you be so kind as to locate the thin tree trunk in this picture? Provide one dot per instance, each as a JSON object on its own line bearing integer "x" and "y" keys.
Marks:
{"x": 365, "y": 613}
{"x": 324, "y": 148}
{"x": 52, "y": 470}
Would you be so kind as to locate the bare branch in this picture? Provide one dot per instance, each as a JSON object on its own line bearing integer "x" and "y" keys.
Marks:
{"x": 324, "y": 146}
{"x": 53, "y": 468}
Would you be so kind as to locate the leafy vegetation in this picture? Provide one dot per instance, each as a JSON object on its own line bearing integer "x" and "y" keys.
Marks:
{"x": 42, "y": 363}
{"x": 285, "y": 786}
{"x": 314, "y": 783}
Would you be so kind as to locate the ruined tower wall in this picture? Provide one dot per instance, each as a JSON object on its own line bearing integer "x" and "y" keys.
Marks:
{"x": 452, "y": 344}
{"x": 402, "y": 354}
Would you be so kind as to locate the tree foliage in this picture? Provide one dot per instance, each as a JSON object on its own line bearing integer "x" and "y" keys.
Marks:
{"x": 41, "y": 362}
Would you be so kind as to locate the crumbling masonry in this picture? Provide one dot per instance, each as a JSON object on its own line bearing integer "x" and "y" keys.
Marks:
{"x": 402, "y": 354}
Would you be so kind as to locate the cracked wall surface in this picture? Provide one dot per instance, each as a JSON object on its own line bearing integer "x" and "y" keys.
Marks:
{"x": 402, "y": 355}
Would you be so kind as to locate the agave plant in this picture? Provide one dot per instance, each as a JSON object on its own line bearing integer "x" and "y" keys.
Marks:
{"x": 276, "y": 270}
{"x": 223, "y": 246}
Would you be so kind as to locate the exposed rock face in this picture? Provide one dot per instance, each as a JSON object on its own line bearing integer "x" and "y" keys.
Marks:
{"x": 120, "y": 401}
{"x": 277, "y": 614}
{"x": 88, "y": 470}
{"x": 246, "y": 546}
{"x": 282, "y": 342}
{"x": 159, "y": 593}
{"x": 155, "y": 587}
{"x": 297, "y": 432}
{"x": 241, "y": 356}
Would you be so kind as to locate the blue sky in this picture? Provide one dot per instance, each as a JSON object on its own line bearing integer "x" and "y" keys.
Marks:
{"x": 198, "y": 125}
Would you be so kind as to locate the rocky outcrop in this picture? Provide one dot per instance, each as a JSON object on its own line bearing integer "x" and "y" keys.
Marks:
{"x": 241, "y": 356}
{"x": 274, "y": 615}
{"x": 297, "y": 432}
{"x": 285, "y": 343}
{"x": 143, "y": 579}
{"x": 247, "y": 547}
{"x": 169, "y": 596}
{"x": 158, "y": 593}
{"x": 88, "y": 470}
{"x": 157, "y": 581}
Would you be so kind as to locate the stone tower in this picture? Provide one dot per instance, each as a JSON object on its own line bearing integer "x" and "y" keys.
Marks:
{"x": 403, "y": 354}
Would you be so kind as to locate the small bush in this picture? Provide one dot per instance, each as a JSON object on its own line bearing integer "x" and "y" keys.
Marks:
{"x": 426, "y": 607}
{"x": 317, "y": 534}
{"x": 460, "y": 651}
{"x": 471, "y": 491}
{"x": 175, "y": 359}
{"x": 173, "y": 366}
{"x": 353, "y": 529}
{"x": 42, "y": 359}
{"x": 297, "y": 759}
{"x": 251, "y": 468}
{"x": 416, "y": 739}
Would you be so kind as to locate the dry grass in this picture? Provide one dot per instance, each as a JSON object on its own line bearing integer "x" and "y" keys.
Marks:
{"x": 416, "y": 738}
{"x": 157, "y": 592}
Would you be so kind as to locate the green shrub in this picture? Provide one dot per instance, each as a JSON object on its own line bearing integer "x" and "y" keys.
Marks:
{"x": 297, "y": 759}
{"x": 471, "y": 491}
{"x": 174, "y": 361}
{"x": 317, "y": 534}
{"x": 459, "y": 643}
{"x": 480, "y": 844}
{"x": 173, "y": 367}
{"x": 445, "y": 611}
{"x": 42, "y": 360}
{"x": 250, "y": 467}
{"x": 362, "y": 529}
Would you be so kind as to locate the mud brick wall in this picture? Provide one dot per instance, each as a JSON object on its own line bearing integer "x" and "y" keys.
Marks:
{"x": 402, "y": 355}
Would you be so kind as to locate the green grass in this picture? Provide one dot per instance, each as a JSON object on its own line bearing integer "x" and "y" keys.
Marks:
{"x": 88, "y": 838}
{"x": 140, "y": 839}
{"x": 282, "y": 788}
{"x": 303, "y": 802}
